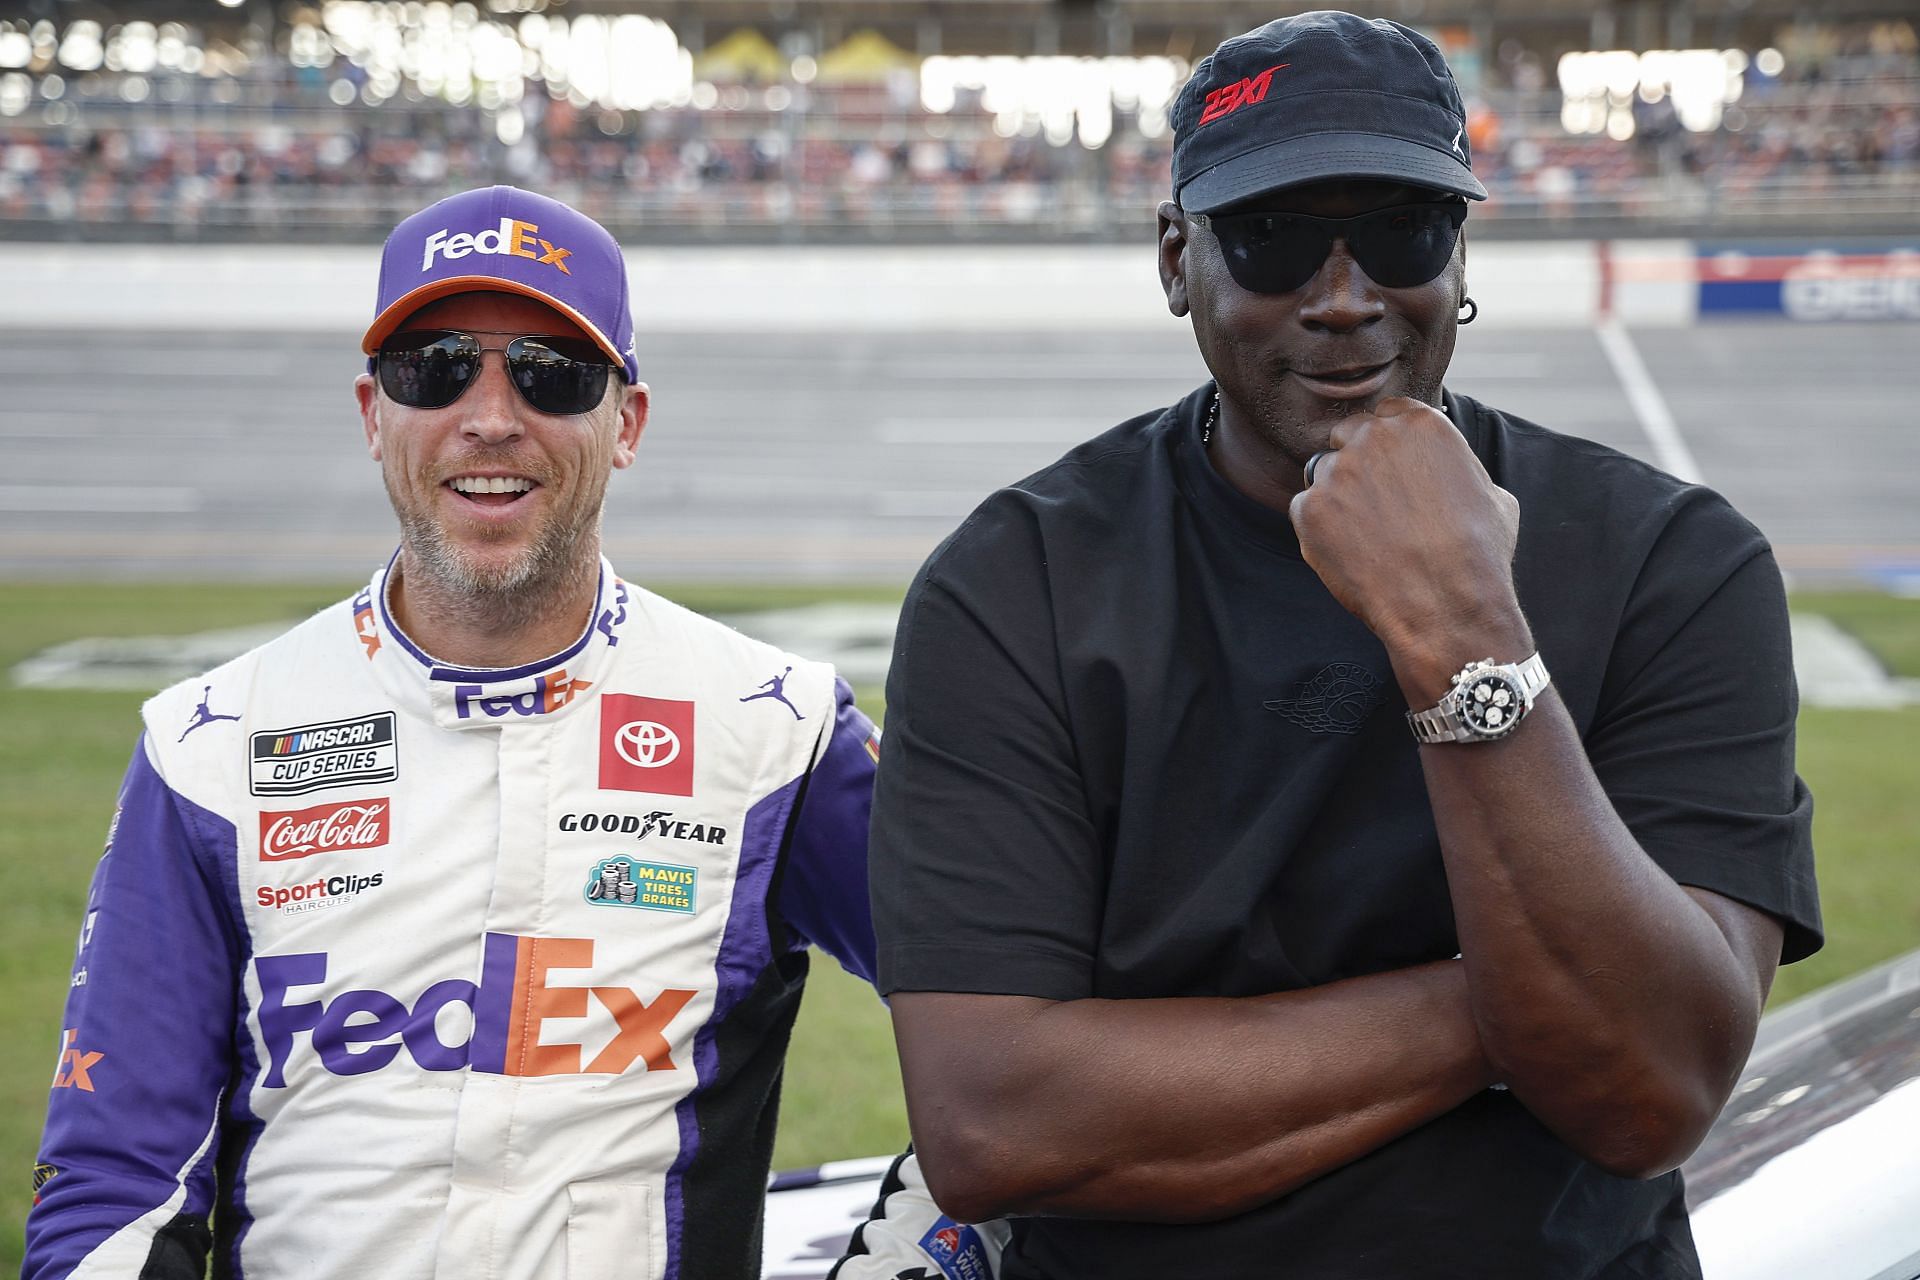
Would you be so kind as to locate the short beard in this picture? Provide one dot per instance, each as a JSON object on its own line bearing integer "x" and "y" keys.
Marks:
{"x": 559, "y": 563}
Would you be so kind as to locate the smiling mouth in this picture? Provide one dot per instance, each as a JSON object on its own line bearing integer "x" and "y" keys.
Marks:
{"x": 1353, "y": 383}
{"x": 492, "y": 491}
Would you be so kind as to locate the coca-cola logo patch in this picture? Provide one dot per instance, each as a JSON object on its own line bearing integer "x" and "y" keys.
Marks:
{"x": 325, "y": 828}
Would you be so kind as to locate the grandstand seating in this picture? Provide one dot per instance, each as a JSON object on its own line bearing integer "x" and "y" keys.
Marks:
{"x": 273, "y": 153}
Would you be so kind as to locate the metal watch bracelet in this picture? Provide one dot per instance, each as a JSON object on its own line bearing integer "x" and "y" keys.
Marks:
{"x": 1504, "y": 693}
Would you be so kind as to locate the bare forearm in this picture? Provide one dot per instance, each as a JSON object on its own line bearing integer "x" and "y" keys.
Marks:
{"x": 1184, "y": 1110}
{"x": 1617, "y": 1005}
{"x": 1608, "y": 999}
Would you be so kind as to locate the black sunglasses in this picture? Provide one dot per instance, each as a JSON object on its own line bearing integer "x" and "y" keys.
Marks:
{"x": 429, "y": 368}
{"x": 1398, "y": 247}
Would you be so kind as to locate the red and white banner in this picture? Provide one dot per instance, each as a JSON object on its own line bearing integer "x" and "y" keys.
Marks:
{"x": 325, "y": 828}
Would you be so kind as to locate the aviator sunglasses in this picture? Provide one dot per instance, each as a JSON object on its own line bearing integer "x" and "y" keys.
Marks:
{"x": 1398, "y": 247}
{"x": 430, "y": 368}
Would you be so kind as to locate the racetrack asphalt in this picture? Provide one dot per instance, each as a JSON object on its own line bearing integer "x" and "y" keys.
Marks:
{"x": 847, "y": 456}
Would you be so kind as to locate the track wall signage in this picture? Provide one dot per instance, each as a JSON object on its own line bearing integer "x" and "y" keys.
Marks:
{"x": 1810, "y": 283}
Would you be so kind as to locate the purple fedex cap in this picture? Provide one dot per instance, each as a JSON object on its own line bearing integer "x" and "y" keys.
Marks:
{"x": 509, "y": 241}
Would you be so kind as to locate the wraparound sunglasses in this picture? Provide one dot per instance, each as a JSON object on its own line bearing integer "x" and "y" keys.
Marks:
{"x": 1398, "y": 247}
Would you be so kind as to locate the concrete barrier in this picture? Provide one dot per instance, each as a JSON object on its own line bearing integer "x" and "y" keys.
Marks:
{"x": 717, "y": 290}
{"x": 1553, "y": 284}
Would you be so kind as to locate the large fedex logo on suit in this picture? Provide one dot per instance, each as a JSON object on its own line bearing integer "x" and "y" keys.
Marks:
{"x": 359, "y": 1031}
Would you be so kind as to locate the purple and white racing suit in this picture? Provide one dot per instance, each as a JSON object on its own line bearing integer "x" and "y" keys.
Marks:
{"x": 393, "y": 968}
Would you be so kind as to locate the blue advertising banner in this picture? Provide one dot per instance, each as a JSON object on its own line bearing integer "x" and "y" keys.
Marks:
{"x": 1810, "y": 283}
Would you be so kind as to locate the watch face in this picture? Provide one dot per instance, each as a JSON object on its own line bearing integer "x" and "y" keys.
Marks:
{"x": 1490, "y": 705}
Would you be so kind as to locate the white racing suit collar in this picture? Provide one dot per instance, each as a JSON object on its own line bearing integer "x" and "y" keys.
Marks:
{"x": 455, "y": 697}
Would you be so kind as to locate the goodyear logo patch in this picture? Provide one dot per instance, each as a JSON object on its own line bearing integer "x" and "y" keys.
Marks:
{"x": 338, "y": 753}
{"x": 651, "y": 886}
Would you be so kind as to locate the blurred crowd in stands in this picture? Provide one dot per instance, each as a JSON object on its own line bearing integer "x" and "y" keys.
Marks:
{"x": 285, "y": 151}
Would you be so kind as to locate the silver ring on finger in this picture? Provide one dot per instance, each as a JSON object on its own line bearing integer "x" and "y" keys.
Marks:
{"x": 1313, "y": 463}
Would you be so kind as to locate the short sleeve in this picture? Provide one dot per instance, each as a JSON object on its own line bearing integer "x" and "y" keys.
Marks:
{"x": 1694, "y": 741}
{"x": 987, "y": 872}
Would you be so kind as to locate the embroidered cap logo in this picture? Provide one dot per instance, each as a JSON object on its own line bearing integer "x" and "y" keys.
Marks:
{"x": 1226, "y": 101}
{"x": 511, "y": 236}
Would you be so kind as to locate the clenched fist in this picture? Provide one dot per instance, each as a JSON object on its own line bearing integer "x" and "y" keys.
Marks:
{"x": 1413, "y": 537}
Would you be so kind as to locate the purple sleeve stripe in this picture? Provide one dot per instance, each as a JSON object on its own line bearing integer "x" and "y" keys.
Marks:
{"x": 146, "y": 1041}
{"x": 823, "y": 889}
{"x": 745, "y": 951}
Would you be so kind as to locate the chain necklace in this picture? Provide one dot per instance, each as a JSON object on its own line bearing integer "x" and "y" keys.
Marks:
{"x": 1213, "y": 413}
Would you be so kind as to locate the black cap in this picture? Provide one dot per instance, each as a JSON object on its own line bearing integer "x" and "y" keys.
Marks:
{"x": 1318, "y": 96}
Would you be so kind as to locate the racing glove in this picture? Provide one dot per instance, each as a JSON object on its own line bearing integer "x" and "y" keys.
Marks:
{"x": 906, "y": 1237}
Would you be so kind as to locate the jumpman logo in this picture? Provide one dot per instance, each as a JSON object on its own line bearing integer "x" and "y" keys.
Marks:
{"x": 203, "y": 714}
{"x": 776, "y": 688}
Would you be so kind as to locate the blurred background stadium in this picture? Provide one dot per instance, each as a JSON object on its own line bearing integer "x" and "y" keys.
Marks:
{"x": 886, "y": 256}
{"x": 880, "y": 119}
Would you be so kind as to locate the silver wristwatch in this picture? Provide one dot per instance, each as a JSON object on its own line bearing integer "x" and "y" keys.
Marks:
{"x": 1487, "y": 700}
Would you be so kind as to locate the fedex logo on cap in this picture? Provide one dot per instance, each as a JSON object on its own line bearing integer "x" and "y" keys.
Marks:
{"x": 501, "y": 1027}
{"x": 512, "y": 236}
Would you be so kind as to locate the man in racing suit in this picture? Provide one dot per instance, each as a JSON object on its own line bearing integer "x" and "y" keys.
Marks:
{"x": 459, "y": 931}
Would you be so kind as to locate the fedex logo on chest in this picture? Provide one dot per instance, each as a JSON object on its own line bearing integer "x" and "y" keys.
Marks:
{"x": 541, "y": 696}
{"x": 504, "y": 1015}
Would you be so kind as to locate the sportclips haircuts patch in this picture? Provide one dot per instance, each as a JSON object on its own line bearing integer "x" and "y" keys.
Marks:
{"x": 312, "y": 757}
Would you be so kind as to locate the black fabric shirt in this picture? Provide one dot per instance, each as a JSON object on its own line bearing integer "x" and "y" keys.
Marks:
{"x": 1135, "y": 749}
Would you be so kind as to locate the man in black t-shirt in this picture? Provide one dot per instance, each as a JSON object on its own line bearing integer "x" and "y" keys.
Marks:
{"x": 1202, "y": 964}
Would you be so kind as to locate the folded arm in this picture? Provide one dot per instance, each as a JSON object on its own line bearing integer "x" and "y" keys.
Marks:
{"x": 1175, "y": 1110}
{"x": 1617, "y": 1005}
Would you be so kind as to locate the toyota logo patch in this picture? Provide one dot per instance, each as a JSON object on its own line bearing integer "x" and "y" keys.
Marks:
{"x": 646, "y": 744}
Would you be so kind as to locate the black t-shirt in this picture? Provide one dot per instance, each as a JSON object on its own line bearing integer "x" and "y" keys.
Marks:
{"x": 1135, "y": 749}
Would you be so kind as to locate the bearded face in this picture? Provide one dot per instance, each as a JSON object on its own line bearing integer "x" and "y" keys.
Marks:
{"x": 499, "y": 503}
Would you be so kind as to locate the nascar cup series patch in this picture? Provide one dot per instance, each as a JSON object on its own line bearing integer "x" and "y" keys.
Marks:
{"x": 337, "y": 753}
{"x": 652, "y": 886}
